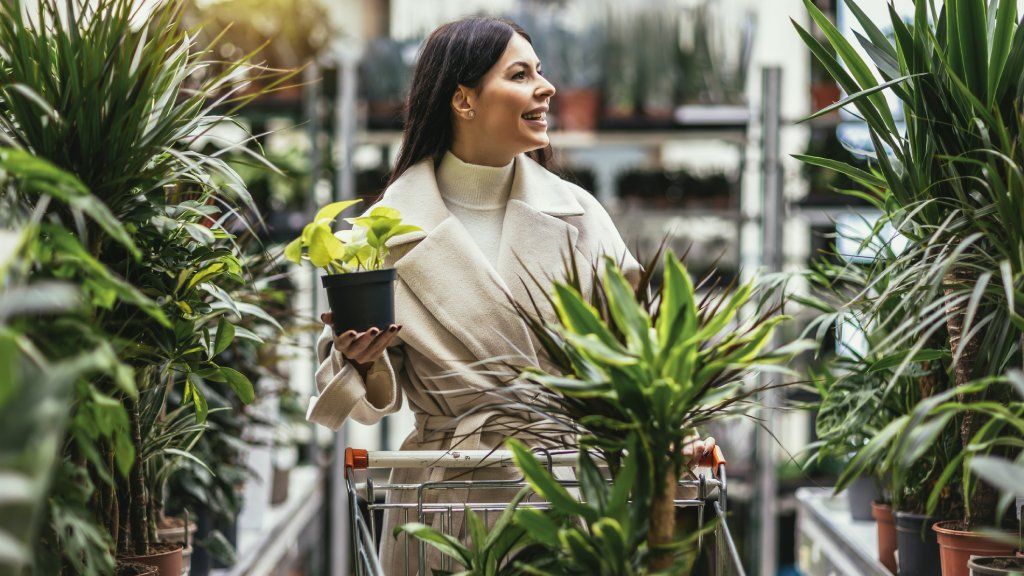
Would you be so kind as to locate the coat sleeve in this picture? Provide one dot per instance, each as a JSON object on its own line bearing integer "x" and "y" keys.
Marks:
{"x": 342, "y": 392}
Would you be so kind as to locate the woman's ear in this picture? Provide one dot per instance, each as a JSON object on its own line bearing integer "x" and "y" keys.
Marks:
{"x": 462, "y": 102}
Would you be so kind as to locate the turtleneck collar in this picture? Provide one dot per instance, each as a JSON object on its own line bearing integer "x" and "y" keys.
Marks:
{"x": 474, "y": 185}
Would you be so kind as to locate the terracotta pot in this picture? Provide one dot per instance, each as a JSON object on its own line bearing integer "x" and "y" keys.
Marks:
{"x": 996, "y": 565}
{"x": 578, "y": 108}
{"x": 165, "y": 557}
{"x": 957, "y": 546}
{"x": 824, "y": 94}
{"x": 886, "y": 526}
{"x": 173, "y": 530}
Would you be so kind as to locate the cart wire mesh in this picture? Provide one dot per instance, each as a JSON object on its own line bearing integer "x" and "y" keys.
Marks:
{"x": 367, "y": 498}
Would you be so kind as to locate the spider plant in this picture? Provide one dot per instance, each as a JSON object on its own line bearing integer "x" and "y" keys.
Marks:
{"x": 629, "y": 362}
{"x": 953, "y": 169}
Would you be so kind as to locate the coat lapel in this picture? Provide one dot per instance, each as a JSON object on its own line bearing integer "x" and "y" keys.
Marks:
{"x": 443, "y": 267}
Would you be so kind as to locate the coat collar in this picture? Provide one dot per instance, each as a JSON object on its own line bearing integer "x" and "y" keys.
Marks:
{"x": 450, "y": 275}
{"x": 416, "y": 195}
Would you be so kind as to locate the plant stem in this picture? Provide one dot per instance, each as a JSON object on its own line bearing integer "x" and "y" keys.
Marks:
{"x": 663, "y": 522}
{"x": 981, "y": 505}
{"x": 137, "y": 485}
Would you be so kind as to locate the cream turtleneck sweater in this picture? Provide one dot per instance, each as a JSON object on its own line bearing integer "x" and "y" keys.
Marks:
{"x": 477, "y": 196}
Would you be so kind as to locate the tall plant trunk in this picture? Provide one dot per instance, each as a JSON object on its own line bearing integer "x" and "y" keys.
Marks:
{"x": 981, "y": 509}
{"x": 123, "y": 502}
{"x": 137, "y": 486}
{"x": 663, "y": 522}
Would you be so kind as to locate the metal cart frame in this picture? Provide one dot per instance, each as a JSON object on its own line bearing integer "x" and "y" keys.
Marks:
{"x": 710, "y": 503}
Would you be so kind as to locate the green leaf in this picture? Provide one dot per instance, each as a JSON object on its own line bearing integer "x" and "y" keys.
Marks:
{"x": 225, "y": 335}
{"x": 443, "y": 542}
{"x": 324, "y": 247}
{"x": 626, "y": 312}
{"x": 854, "y": 173}
{"x": 1005, "y": 475}
{"x": 293, "y": 251}
{"x": 537, "y": 524}
{"x": 541, "y": 480}
{"x": 579, "y": 316}
{"x": 331, "y": 211}
{"x": 239, "y": 383}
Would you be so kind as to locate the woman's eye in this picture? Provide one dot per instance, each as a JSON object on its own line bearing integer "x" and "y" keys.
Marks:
{"x": 519, "y": 75}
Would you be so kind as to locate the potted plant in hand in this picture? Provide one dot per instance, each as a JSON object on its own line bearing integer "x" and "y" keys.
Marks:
{"x": 358, "y": 286}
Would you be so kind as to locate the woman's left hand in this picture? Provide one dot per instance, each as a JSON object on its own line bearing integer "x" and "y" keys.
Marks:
{"x": 694, "y": 448}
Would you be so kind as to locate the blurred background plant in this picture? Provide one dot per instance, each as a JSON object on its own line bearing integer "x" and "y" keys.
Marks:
{"x": 140, "y": 222}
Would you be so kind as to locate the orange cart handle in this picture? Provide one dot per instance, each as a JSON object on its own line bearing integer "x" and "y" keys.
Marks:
{"x": 713, "y": 460}
{"x": 356, "y": 459}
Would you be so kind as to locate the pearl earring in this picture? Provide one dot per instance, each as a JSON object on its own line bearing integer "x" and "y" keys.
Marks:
{"x": 471, "y": 114}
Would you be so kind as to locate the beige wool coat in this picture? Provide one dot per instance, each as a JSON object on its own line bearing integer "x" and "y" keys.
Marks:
{"x": 452, "y": 305}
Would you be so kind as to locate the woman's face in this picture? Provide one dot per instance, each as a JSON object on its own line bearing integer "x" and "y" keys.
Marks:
{"x": 510, "y": 104}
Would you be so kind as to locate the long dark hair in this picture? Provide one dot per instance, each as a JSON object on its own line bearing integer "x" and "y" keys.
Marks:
{"x": 459, "y": 52}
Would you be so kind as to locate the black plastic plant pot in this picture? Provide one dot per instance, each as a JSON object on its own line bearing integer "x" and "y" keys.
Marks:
{"x": 917, "y": 545}
{"x": 996, "y": 565}
{"x": 361, "y": 300}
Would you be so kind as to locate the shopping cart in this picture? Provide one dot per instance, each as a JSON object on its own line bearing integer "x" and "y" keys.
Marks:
{"x": 719, "y": 555}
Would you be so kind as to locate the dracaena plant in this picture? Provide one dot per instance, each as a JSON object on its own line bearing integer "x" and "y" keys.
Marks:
{"x": 657, "y": 368}
{"x": 604, "y": 533}
{"x": 490, "y": 552}
{"x": 868, "y": 392}
{"x": 953, "y": 168}
{"x": 360, "y": 248}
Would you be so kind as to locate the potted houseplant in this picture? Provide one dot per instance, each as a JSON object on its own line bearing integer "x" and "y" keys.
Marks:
{"x": 578, "y": 76}
{"x": 953, "y": 170}
{"x": 359, "y": 289}
{"x": 151, "y": 255}
{"x": 654, "y": 365}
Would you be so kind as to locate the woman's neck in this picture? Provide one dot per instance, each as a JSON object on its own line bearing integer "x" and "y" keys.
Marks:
{"x": 474, "y": 186}
{"x": 479, "y": 155}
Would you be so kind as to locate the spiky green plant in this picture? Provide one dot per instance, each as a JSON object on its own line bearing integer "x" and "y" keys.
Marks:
{"x": 954, "y": 169}
{"x": 654, "y": 365}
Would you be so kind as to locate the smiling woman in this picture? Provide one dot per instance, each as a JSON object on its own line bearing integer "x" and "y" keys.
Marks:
{"x": 471, "y": 176}
{"x": 474, "y": 81}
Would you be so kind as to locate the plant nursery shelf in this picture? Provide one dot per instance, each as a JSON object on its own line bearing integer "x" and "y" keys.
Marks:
{"x": 829, "y": 541}
{"x": 736, "y": 134}
{"x": 260, "y": 552}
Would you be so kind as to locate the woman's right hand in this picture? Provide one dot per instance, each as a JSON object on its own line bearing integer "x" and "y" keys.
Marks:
{"x": 362, "y": 348}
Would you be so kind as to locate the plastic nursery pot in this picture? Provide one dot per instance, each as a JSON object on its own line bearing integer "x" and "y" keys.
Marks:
{"x": 361, "y": 300}
{"x": 166, "y": 558}
{"x": 859, "y": 495}
{"x": 886, "y": 527}
{"x": 957, "y": 546}
{"x": 917, "y": 545}
{"x": 996, "y": 565}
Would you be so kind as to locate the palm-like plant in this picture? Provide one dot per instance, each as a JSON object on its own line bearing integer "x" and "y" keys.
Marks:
{"x": 953, "y": 170}
{"x": 116, "y": 94}
{"x": 602, "y": 534}
{"x": 867, "y": 395}
{"x": 654, "y": 367}
{"x": 499, "y": 551}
